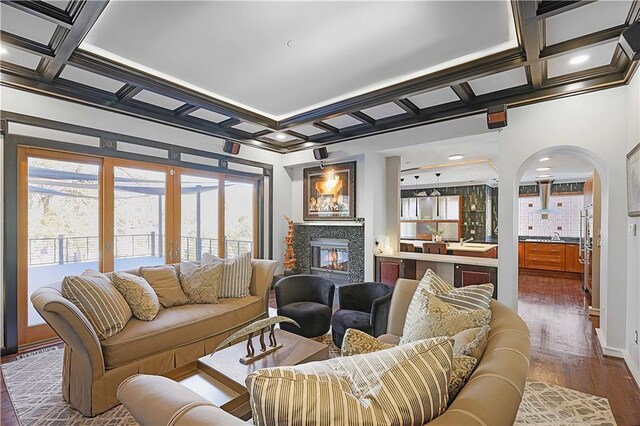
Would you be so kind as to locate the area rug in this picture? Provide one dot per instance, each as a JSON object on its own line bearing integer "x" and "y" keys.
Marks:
{"x": 34, "y": 384}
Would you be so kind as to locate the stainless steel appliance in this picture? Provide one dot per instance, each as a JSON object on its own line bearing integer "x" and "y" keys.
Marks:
{"x": 586, "y": 245}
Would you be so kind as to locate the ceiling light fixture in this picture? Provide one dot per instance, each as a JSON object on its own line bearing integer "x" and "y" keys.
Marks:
{"x": 456, "y": 157}
{"x": 281, "y": 136}
{"x": 580, "y": 59}
{"x": 3, "y": 51}
{"x": 545, "y": 159}
{"x": 543, "y": 169}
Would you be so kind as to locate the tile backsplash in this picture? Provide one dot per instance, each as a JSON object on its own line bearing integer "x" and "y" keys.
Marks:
{"x": 565, "y": 222}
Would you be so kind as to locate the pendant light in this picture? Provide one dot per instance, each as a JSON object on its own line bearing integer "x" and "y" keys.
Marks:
{"x": 416, "y": 177}
{"x": 436, "y": 193}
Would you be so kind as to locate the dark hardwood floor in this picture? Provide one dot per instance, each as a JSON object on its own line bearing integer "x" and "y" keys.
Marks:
{"x": 564, "y": 346}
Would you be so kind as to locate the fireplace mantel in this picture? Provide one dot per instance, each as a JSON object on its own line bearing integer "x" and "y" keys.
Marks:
{"x": 334, "y": 223}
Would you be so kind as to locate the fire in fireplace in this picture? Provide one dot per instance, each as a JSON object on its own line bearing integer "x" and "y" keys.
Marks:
{"x": 330, "y": 258}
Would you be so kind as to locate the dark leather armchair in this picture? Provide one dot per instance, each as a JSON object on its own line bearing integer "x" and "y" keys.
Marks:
{"x": 363, "y": 306}
{"x": 307, "y": 299}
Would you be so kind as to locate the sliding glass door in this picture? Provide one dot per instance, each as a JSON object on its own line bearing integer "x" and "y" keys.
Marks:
{"x": 88, "y": 212}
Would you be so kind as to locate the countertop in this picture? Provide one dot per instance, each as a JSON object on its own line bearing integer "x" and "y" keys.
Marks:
{"x": 442, "y": 258}
{"x": 472, "y": 246}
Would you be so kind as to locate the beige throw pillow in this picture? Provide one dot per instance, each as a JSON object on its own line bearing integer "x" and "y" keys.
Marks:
{"x": 141, "y": 298}
{"x": 201, "y": 283}
{"x": 470, "y": 297}
{"x": 236, "y": 276}
{"x": 432, "y": 317}
{"x": 164, "y": 281}
{"x": 434, "y": 284}
{"x": 94, "y": 295}
{"x": 472, "y": 342}
{"x": 403, "y": 385}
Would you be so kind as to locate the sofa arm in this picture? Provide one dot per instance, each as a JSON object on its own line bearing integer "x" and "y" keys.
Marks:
{"x": 71, "y": 325}
{"x": 380, "y": 314}
{"x": 157, "y": 400}
{"x": 400, "y": 300}
{"x": 261, "y": 277}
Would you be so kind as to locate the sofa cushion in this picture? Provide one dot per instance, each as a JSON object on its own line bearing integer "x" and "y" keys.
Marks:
{"x": 178, "y": 326}
{"x": 164, "y": 281}
{"x": 99, "y": 301}
{"x": 344, "y": 319}
{"x": 471, "y": 342}
{"x": 402, "y": 385}
{"x": 236, "y": 276}
{"x": 141, "y": 298}
{"x": 432, "y": 317}
{"x": 201, "y": 283}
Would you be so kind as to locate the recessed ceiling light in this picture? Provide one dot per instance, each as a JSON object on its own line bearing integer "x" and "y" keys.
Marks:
{"x": 543, "y": 176}
{"x": 281, "y": 136}
{"x": 580, "y": 59}
{"x": 456, "y": 157}
{"x": 3, "y": 51}
{"x": 545, "y": 159}
{"x": 543, "y": 169}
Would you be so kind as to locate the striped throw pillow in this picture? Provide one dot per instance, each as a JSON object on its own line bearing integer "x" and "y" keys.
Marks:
{"x": 99, "y": 301}
{"x": 404, "y": 385}
{"x": 470, "y": 297}
{"x": 434, "y": 284}
{"x": 236, "y": 275}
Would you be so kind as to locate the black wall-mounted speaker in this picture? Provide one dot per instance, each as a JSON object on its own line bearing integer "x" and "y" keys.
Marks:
{"x": 497, "y": 116}
{"x": 231, "y": 147}
{"x": 630, "y": 41}
{"x": 320, "y": 153}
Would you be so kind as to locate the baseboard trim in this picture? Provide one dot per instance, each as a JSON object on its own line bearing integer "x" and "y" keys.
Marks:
{"x": 608, "y": 350}
{"x": 635, "y": 372}
{"x": 594, "y": 312}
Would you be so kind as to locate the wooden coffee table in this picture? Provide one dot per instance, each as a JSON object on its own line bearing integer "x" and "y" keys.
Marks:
{"x": 220, "y": 378}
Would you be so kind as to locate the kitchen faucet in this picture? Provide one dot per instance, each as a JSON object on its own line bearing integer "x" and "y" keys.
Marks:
{"x": 462, "y": 240}
{"x": 556, "y": 237}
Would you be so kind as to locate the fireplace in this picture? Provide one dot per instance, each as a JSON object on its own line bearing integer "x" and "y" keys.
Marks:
{"x": 330, "y": 259}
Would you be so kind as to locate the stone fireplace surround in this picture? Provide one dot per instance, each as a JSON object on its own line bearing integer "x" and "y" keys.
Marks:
{"x": 307, "y": 231}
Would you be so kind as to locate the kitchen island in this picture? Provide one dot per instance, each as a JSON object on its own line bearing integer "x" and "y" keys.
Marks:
{"x": 471, "y": 249}
{"x": 459, "y": 270}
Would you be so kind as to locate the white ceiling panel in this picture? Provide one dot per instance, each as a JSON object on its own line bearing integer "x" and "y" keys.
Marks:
{"x": 342, "y": 121}
{"x": 249, "y": 127}
{"x": 90, "y": 79}
{"x": 25, "y": 25}
{"x": 205, "y": 114}
{"x": 585, "y": 20}
{"x": 588, "y": 58}
{"x": 500, "y": 81}
{"x": 435, "y": 97}
{"x": 354, "y": 47}
{"x": 382, "y": 111}
{"x": 20, "y": 57}
{"x": 158, "y": 100}
{"x": 307, "y": 130}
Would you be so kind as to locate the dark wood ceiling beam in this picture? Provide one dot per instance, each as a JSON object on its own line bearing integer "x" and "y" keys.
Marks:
{"x": 127, "y": 92}
{"x": 296, "y": 135}
{"x": 43, "y": 10}
{"x": 327, "y": 127}
{"x": 579, "y": 43}
{"x": 84, "y": 19}
{"x": 26, "y": 45}
{"x": 547, "y": 8}
{"x": 229, "y": 122}
{"x": 262, "y": 133}
{"x": 408, "y": 106}
{"x": 464, "y": 92}
{"x": 502, "y": 61}
{"x": 529, "y": 32}
{"x": 362, "y": 117}
{"x": 94, "y": 63}
{"x": 185, "y": 109}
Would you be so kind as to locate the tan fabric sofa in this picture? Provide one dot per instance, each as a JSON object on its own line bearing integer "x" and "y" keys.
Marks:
{"x": 94, "y": 369}
{"x": 491, "y": 396}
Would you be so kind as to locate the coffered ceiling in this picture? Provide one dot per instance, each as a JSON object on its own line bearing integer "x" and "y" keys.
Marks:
{"x": 287, "y": 76}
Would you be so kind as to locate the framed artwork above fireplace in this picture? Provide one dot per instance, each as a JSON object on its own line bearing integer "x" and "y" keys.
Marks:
{"x": 330, "y": 192}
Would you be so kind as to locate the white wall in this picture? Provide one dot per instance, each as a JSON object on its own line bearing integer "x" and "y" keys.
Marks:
{"x": 68, "y": 112}
{"x": 632, "y": 354}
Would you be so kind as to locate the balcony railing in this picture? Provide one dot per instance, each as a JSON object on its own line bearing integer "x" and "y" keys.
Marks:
{"x": 63, "y": 250}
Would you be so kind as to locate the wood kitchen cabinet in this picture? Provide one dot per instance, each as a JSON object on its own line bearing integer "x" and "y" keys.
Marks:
{"x": 521, "y": 255}
{"x": 546, "y": 256}
{"x": 389, "y": 269}
{"x": 572, "y": 258}
{"x": 464, "y": 275}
